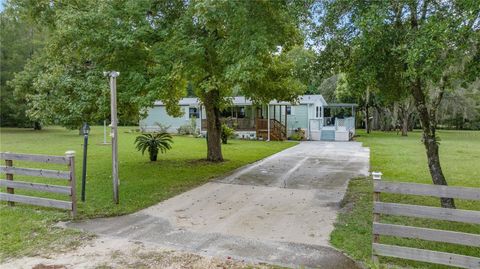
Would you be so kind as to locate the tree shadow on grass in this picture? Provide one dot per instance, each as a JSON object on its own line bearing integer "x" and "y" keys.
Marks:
{"x": 186, "y": 162}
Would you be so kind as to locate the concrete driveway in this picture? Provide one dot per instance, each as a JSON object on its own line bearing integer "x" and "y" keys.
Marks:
{"x": 280, "y": 210}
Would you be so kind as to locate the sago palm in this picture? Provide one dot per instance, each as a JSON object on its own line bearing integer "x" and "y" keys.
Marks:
{"x": 154, "y": 143}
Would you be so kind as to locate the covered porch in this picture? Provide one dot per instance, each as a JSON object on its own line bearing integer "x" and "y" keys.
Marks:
{"x": 274, "y": 125}
{"x": 337, "y": 123}
{"x": 238, "y": 117}
{"x": 264, "y": 122}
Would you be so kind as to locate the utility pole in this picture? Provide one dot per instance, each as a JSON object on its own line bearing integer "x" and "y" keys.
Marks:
{"x": 113, "y": 102}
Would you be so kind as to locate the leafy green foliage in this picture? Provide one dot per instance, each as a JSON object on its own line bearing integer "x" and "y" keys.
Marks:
{"x": 185, "y": 129}
{"x": 189, "y": 129}
{"x": 460, "y": 109}
{"x": 20, "y": 40}
{"x": 154, "y": 143}
{"x": 409, "y": 48}
{"x": 298, "y": 135}
{"x": 213, "y": 49}
{"x": 227, "y": 133}
{"x": 391, "y": 46}
{"x": 64, "y": 84}
{"x": 162, "y": 128}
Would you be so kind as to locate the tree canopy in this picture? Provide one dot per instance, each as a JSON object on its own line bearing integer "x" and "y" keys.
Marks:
{"x": 226, "y": 48}
{"x": 385, "y": 55}
{"x": 19, "y": 40}
{"x": 215, "y": 48}
{"x": 416, "y": 48}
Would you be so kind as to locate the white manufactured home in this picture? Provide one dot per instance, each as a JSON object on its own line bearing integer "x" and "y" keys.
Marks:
{"x": 273, "y": 121}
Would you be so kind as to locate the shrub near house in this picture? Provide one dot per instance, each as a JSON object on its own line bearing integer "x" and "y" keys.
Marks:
{"x": 154, "y": 143}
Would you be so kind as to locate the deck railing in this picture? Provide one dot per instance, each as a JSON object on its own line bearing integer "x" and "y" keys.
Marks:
{"x": 278, "y": 131}
{"x": 348, "y": 123}
{"x": 239, "y": 124}
{"x": 261, "y": 124}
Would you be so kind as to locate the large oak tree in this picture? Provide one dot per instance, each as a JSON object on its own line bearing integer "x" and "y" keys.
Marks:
{"x": 419, "y": 48}
{"x": 225, "y": 48}
{"x": 218, "y": 48}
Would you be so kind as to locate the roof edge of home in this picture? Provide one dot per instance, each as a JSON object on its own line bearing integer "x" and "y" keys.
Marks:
{"x": 312, "y": 98}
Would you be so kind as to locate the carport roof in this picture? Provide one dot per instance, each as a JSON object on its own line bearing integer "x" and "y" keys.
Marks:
{"x": 342, "y": 105}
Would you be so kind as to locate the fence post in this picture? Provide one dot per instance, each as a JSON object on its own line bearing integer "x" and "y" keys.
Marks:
{"x": 376, "y": 217}
{"x": 71, "y": 165}
{"x": 9, "y": 163}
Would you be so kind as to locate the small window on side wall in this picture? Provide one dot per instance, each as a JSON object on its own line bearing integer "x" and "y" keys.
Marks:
{"x": 289, "y": 110}
{"x": 241, "y": 112}
{"x": 317, "y": 112}
{"x": 193, "y": 112}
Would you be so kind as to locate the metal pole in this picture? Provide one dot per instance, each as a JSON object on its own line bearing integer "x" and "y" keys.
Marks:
{"x": 268, "y": 121}
{"x": 84, "y": 169}
{"x": 113, "y": 88}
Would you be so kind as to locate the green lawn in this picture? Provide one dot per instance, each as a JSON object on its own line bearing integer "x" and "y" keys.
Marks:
{"x": 403, "y": 159}
{"x": 25, "y": 229}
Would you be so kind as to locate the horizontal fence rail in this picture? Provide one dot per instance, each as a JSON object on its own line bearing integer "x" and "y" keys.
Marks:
{"x": 36, "y": 201}
{"x": 35, "y": 186}
{"x": 429, "y": 212}
{"x": 427, "y": 256}
{"x": 33, "y": 158}
{"x": 427, "y": 190}
{"x": 35, "y": 172}
{"x": 459, "y": 238}
{"x": 9, "y": 170}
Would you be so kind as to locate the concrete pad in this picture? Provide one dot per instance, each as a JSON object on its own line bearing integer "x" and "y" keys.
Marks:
{"x": 256, "y": 212}
{"x": 280, "y": 210}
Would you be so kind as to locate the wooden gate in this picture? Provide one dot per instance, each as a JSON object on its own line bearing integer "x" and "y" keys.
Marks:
{"x": 466, "y": 216}
{"x": 10, "y": 170}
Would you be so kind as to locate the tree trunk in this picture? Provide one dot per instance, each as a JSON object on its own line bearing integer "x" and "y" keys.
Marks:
{"x": 435, "y": 168}
{"x": 430, "y": 141}
{"x": 37, "y": 126}
{"x": 367, "y": 125}
{"x": 367, "y": 100}
{"x": 411, "y": 122}
{"x": 214, "y": 127}
{"x": 405, "y": 126}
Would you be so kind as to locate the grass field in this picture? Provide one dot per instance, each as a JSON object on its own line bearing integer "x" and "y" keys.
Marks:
{"x": 26, "y": 229}
{"x": 403, "y": 159}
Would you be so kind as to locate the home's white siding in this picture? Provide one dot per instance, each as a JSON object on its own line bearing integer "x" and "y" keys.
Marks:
{"x": 307, "y": 114}
{"x": 160, "y": 115}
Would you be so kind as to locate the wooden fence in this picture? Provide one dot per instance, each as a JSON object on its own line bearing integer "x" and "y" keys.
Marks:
{"x": 9, "y": 170}
{"x": 466, "y": 216}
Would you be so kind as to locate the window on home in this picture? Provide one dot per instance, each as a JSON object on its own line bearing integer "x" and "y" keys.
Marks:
{"x": 226, "y": 112}
{"x": 289, "y": 110}
{"x": 327, "y": 112}
{"x": 241, "y": 112}
{"x": 233, "y": 112}
{"x": 193, "y": 112}
{"x": 317, "y": 114}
